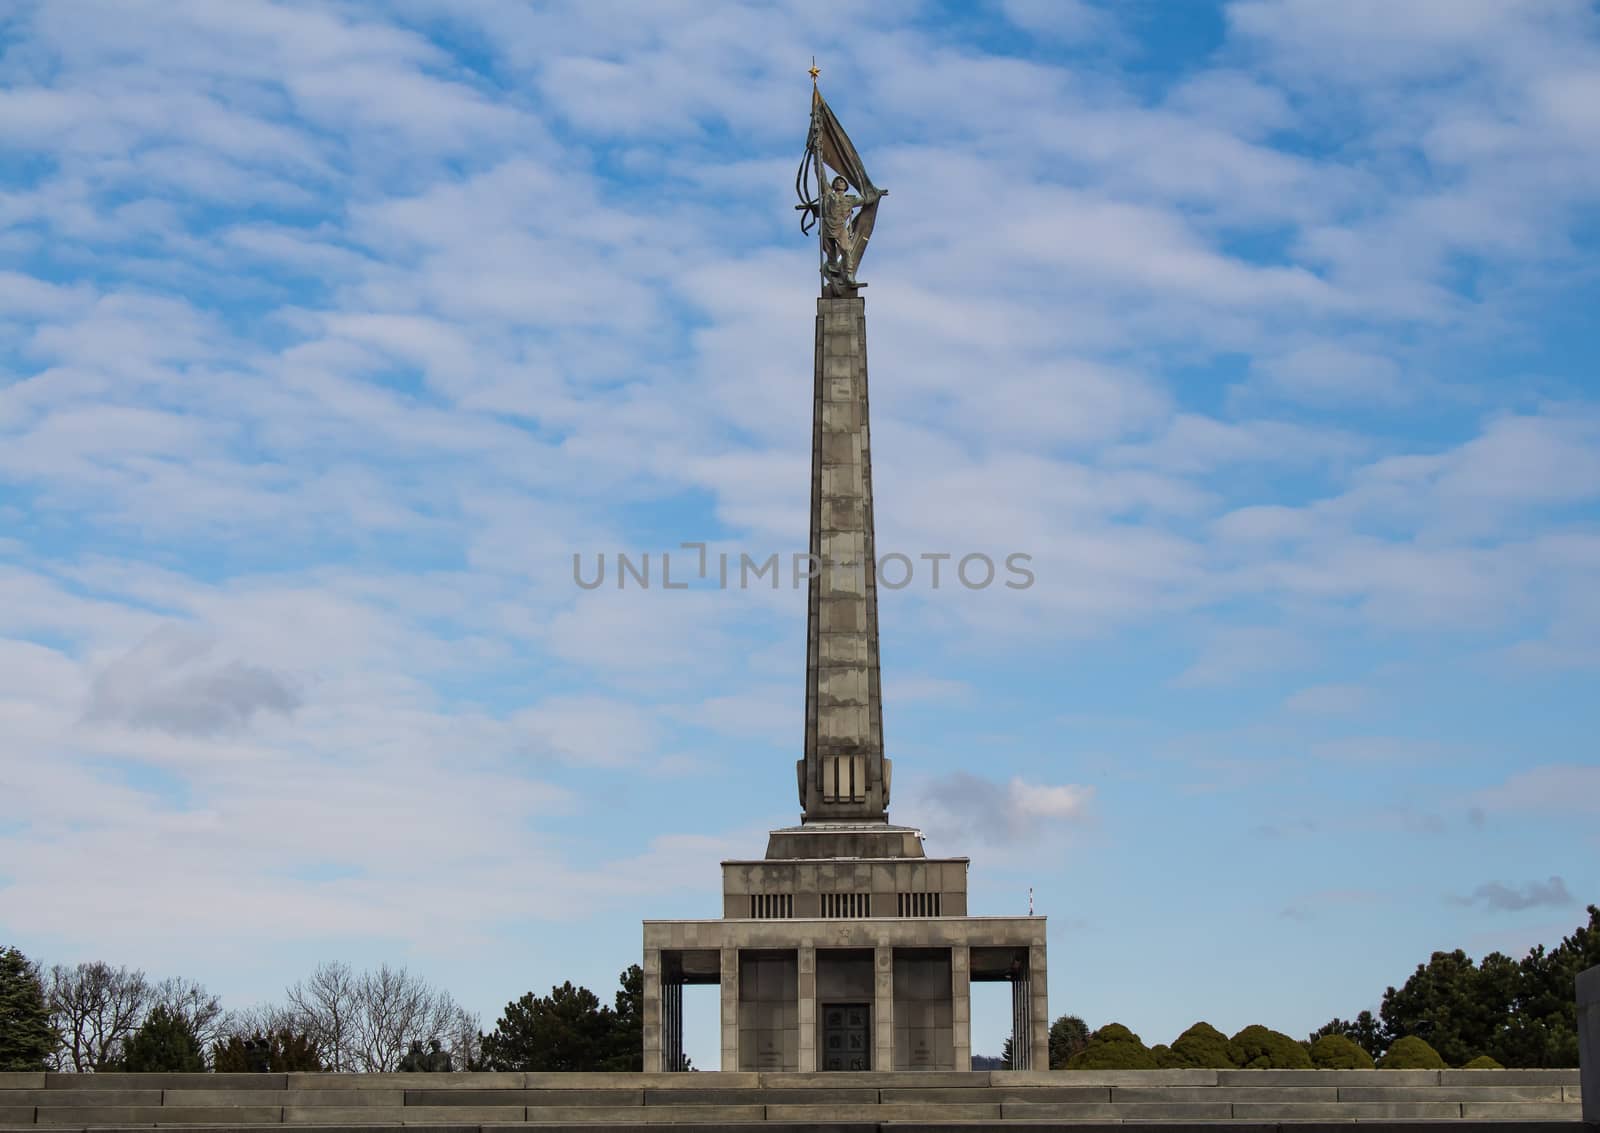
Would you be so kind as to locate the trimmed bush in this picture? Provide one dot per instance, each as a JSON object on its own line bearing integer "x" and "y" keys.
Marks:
{"x": 1202, "y": 1046}
{"x": 1482, "y": 1062}
{"x": 1262, "y": 1048}
{"x": 1335, "y": 1052}
{"x": 1410, "y": 1053}
{"x": 1113, "y": 1047}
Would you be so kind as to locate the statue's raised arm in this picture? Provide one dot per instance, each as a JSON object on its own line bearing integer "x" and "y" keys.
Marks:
{"x": 846, "y": 218}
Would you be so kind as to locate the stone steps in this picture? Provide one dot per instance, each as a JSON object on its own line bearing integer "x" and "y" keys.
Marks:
{"x": 1259, "y": 1100}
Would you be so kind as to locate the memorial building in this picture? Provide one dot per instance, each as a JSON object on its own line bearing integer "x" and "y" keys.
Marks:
{"x": 844, "y": 948}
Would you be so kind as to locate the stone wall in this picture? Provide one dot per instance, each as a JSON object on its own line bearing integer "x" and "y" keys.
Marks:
{"x": 1083, "y": 1100}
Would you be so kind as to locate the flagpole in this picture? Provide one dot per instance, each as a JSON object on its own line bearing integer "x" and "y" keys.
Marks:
{"x": 816, "y": 160}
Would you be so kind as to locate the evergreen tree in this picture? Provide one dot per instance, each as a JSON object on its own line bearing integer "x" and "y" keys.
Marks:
{"x": 1113, "y": 1047}
{"x": 1456, "y": 1005}
{"x": 27, "y": 1039}
{"x": 1336, "y": 1052}
{"x": 625, "y": 1047}
{"x": 1408, "y": 1052}
{"x": 280, "y": 1052}
{"x": 1365, "y": 1031}
{"x": 165, "y": 1041}
{"x": 1202, "y": 1046}
{"x": 1068, "y": 1035}
{"x": 1262, "y": 1048}
{"x": 565, "y": 1030}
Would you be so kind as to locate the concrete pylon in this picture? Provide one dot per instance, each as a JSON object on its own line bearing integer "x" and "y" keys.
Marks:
{"x": 843, "y": 776}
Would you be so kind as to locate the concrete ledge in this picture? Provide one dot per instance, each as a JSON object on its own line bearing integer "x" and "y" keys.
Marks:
{"x": 1550, "y": 1093}
{"x": 1349, "y": 1111}
{"x": 1522, "y": 1111}
{"x": 405, "y": 1115}
{"x": 1081, "y": 1095}
{"x": 96, "y": 1098}
{"x": 959, "y": 1111}
{"x": 642, "y": 1115}
{"x": 1286, "y": 1095}
{"x": 487, "y": 1080}
{"x": 16, "y": 1115}
{"x": 21, "y": 1079}
{"x": 875, "y": 1079}
{"x": 1499, "y": 1077}
{"x": 297, "y": 1098}
{"x": 158, "y": 1115}
{"x": 1107, "y": 1077}
{"x": 1171, "y": 1111}
{"x": 1327, "y": 1077}
{"x": 522, "y": 1097}
{"x": 202, "y": 1081}
{"x": 821, "y": 1096}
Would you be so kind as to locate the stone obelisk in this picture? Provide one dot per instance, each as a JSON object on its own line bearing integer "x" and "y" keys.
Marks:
{"x": 844, "y": 775}
{"x": 846, "y": 947}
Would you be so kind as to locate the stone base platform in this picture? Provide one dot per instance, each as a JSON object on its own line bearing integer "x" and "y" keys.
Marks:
{"x": 1261, "y": 1101}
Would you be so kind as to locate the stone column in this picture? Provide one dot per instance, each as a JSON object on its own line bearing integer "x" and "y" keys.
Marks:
{"x": 1038, "y": 1007}
{"x": 652, "y": 1011}
{"x": 843, "y": 774}
{"x": 730, "y": 1008}
{"x": 961, "y": 1004}
{"x": 883, "y": 1007}
{"x": 1588, "y": 988}
{"x": 808, "y": 1005}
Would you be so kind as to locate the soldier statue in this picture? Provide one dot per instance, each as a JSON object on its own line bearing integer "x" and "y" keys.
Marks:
{"x": 838, "y": 234}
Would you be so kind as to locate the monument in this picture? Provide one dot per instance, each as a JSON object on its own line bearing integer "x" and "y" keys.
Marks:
{"x": 845, "y": 948}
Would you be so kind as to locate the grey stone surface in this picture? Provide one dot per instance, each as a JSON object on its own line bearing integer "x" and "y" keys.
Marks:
{"x": 1478, "y": 1077}
{"x": 1587, "y": 990}
{"x": 21, "y": 1079}
{"x": 1327, "y": 1077}
{"x": 218, "y": 1098}
{"x": 81, "y": 1097}
{"x": 405, "y": 1115}
{"x": 535, "y": 1098}
{"x": 1550, "y": 1092}
{"x": 413, "y": 1081}
{"x": 1522, "y": 1111}
{"x": 1077, "y": 1095}
{"x": 955, "y": 1111}
{"x": 15, "y": 1114}
{"x": 1286, "y": 1094}
{"x": 1360, "y": 1111}
{"x": 1138, "y": 1111}
{"x": 1106, "y": 1077}
{"x": 158, "y": 1115}
{"x": 54, "y": 1081}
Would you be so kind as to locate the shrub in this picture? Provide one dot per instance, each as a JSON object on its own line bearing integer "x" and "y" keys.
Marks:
{"x": 1113, "y": 1047}
{"x": 1203, "y": 1046}
{"x": 1335, "y": 1052}
{"x": 1261, "y": 1048}
{"x": 1482, "y": 1062}
{"x": 1410, "y": 1053}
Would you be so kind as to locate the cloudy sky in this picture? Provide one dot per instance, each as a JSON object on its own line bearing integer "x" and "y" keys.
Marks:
{"x": 330, "y": 332}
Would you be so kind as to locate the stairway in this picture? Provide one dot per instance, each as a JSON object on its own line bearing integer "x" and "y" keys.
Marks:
{"x": 1256, "y": 1099}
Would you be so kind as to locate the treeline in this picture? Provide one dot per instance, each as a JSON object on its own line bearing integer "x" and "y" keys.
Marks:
{"x": 91, "y": 1018}
{"x": 94, "y": 1018}
{"x": 1452, "y": 1011}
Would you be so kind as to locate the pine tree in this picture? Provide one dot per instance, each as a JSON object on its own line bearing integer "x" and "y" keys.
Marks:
{"x": 26, "y": 1037}
{"x": 164, "y": 1041}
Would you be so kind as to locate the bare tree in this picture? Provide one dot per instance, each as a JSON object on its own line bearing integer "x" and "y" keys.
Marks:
{"x": 325, "y": 1007}
{"x": 398, "y": 1008}
{"x": 190, "y": 1002}
{"x": 95, "y": 1007}
{"x": 365, "y": 1022}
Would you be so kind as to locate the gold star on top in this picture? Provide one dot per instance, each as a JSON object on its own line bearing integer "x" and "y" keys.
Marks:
{"x": 814, "y": 71}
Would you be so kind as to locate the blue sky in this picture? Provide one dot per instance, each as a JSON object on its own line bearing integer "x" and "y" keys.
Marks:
{"x": 330, "y": 332}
